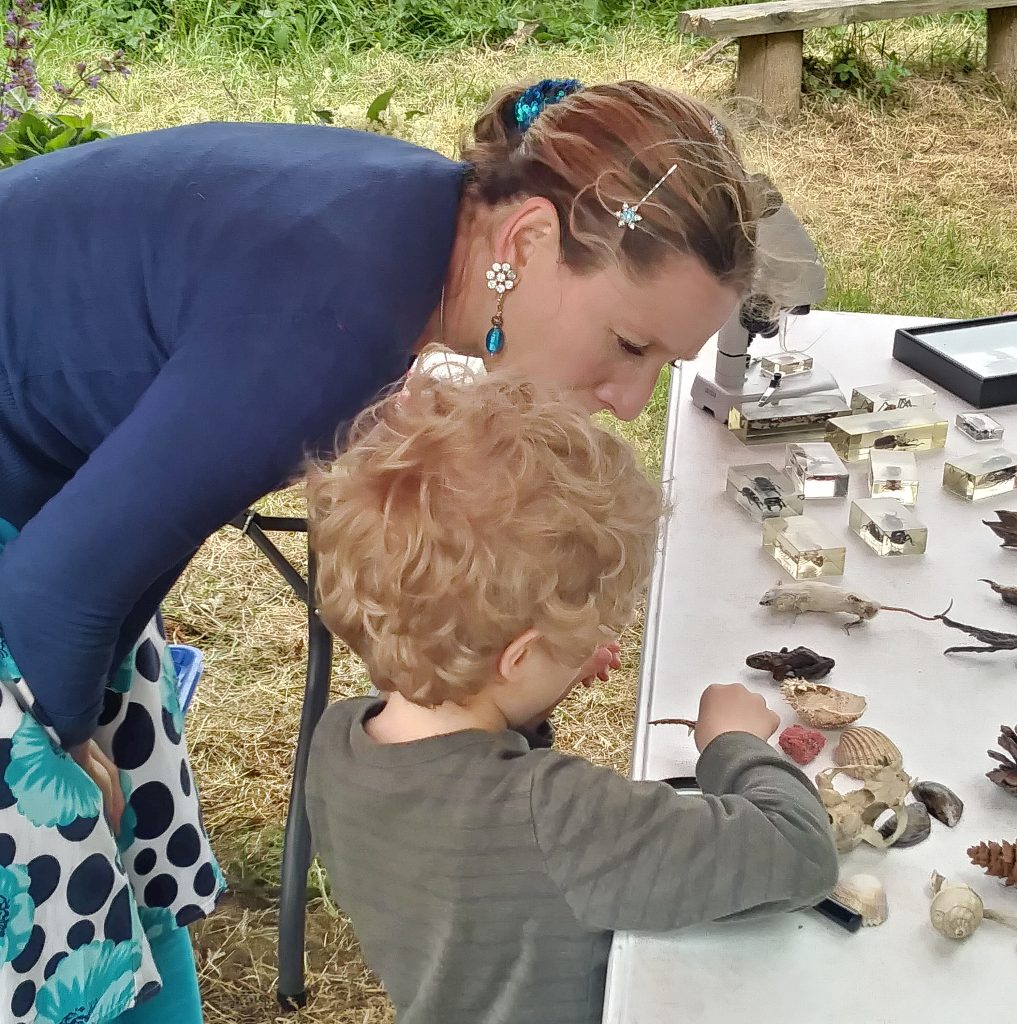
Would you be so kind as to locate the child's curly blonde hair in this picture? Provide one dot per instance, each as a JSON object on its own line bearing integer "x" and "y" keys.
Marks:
{"x": 461, "y": 515}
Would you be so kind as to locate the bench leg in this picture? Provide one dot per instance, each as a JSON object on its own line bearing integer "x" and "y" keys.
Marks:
{"x": 1001, "y": 52}
{"x": 770, "y": 72}
{"x": 297, "y": 849}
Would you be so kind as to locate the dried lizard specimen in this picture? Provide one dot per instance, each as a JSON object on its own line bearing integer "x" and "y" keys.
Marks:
{"x": 1008, "y": 594}
{"x": 801, "y": 663}
{"x": 1006, "y": 528}
{"x": 814, "y": 596}
{"x": 993, "y": 640}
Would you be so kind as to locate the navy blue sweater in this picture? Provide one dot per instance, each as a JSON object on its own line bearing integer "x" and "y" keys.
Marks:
{"x": 184, "y": 315}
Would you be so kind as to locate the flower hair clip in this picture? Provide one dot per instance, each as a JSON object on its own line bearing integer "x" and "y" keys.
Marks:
{"x": 544, "y": 94}
{"x": 628, "y": 216}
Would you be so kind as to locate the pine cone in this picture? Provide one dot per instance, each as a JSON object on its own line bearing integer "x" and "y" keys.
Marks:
{"x": 998, "y": 859}
{"x": 1005, "y": 777}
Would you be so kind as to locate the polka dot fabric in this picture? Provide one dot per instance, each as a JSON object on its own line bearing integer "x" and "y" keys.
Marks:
{"x": 78, "y": 906}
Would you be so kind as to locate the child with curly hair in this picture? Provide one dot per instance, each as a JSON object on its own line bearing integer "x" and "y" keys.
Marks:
{"x": 476, "y": 544}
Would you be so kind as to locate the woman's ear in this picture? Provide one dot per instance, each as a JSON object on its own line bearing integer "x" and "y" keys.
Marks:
{"x": 513, "y": 661}
{"x": 530, "y": 236}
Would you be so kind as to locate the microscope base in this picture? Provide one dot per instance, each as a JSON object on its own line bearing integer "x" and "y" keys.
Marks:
{"x": 798, "y": 416}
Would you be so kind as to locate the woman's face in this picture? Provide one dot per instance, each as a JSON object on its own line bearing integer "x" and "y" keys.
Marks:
{"x": 605, "y": 334}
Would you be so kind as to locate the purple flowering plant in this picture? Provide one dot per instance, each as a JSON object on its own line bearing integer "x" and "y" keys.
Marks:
{"x": 25, "y": 131}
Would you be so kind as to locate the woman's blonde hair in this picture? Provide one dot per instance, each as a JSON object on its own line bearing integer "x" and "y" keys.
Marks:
{"x": 607, "y": 145}
{"x": 459, "y": 516}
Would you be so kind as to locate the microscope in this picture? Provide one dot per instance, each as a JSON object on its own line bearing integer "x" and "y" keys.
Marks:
{"x": 782, "y": 395}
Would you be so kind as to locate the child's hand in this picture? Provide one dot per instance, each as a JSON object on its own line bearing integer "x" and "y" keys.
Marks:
{"x": 732, "y": 708}
{"x": 599, "y": 666}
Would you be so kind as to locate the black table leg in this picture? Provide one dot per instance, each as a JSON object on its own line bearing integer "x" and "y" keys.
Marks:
{"x": 297, "y": 849}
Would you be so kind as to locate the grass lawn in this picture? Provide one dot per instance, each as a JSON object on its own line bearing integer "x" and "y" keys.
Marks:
{"x": 914, "y": 208}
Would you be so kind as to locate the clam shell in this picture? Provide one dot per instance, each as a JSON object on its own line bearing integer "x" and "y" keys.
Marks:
{"x": 943, "y": 803}
{"x": 864, "y": 746}
{"x": 822, "y": 706}
{"x": 866, "y": 895}
{"x": 917, "y": 829}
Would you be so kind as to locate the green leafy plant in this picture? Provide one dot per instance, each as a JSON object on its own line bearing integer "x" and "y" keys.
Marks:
{"x": 384, "y": 118}
{"x": 855, "y": 68}
{"x": 26, "y": 130}
{"x": 33, "y": 134}
{"x": 128, "y": 24}
{"x": 277, "y": 27}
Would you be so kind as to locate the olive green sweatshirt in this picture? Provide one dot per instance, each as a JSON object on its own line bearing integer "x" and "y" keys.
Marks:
{"x": 484, "y": 879}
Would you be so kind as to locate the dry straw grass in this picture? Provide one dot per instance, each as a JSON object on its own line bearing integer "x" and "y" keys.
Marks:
{"x": 916, "y": 211}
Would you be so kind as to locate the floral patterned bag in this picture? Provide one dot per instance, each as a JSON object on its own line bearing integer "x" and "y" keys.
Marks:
{"x": 78, "y": 905}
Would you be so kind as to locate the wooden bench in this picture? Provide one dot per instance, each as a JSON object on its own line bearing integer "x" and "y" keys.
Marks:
{"x": 770, "y": 38}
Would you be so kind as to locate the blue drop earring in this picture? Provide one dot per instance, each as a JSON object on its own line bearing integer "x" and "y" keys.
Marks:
{"x": 501, "y": 278}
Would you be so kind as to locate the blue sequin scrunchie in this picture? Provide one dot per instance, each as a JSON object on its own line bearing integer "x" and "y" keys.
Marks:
{"x": 530, "y": 105}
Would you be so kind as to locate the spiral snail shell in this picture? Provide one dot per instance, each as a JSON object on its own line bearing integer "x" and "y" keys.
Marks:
{"x": 957, "y": 910}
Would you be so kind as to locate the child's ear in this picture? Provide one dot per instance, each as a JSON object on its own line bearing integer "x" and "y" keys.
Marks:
{"x": 513, "y": 659}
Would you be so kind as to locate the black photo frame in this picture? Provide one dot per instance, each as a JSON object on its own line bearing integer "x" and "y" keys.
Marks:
{"x": 940, "y": 353}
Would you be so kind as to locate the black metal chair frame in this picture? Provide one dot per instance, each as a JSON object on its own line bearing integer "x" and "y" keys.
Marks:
{"x": 296, "y": 861}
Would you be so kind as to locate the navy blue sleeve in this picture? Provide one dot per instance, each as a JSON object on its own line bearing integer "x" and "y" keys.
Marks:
{"x": 206, "y": 438}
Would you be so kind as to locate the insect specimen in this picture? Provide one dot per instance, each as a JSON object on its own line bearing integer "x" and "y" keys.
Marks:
{"x": 892, "y": 529}
{"x": 894, "y": 442}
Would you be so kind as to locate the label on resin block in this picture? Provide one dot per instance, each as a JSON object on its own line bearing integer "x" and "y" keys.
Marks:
{"x": 803, "y": 547}
{"x": 816, "y": 470}
{"x": 893, "y": 475}
{"x": 984, "y": 475}
{"x": 887, "y": 527}
{"x": 763, "y": 491}
{"x": 905, "y": 394}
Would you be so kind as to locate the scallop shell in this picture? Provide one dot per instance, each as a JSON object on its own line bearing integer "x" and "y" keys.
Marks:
{"x": 866, "y": 895}
{"x": 822, "y": 706}
{"x": 863, "y": 746}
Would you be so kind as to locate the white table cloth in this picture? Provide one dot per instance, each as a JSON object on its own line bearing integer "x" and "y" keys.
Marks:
{"x": 944, "y": 712}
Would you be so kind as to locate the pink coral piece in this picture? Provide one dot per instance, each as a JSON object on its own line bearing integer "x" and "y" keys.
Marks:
{"x": 802, "y": 745}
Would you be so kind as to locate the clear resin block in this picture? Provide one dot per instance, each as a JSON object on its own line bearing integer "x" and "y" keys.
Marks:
{"x": 888, "y": 527}
{"x": 905, "y": 394}
{"x": 816, "y": 470}
{"x": 893, "y": 475}
{"x": 786, "y": 363}
{"x": 803, "y": 547}
{"x": 980, "y": 427}
{"x": 981, "y": 476}
{"x": 763, "y": 491}
{"x": 803, "y": 418}
{"x": 914, "y": 430}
